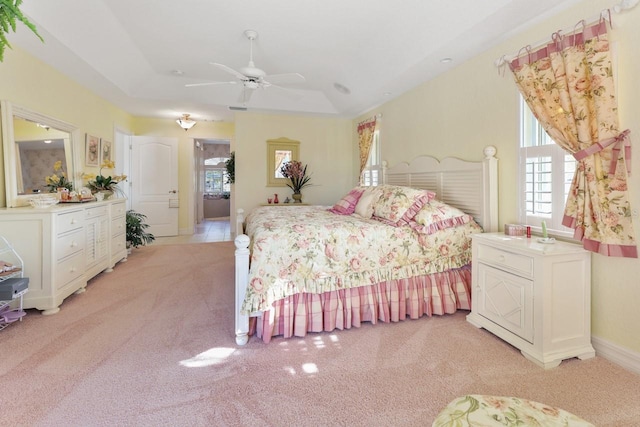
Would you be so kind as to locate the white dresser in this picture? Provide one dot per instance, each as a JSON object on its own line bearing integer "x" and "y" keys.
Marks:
{"x": 64, "y": 246}
{"x": 536, "y": 296}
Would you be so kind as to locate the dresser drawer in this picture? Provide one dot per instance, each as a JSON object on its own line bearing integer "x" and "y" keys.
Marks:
{"x": 520, "y": 264}
{"x": 69, "y": 269}
{"x": 96, "y": 212}
{"x": 69, "y": 221}
{"x": 118, "y": 244}
{"x": 118, "y": 209}
{"x": 118, "y": 227}
{"x": 69, "y": 244}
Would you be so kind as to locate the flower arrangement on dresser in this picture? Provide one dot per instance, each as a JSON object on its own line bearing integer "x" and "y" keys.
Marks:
{"x": 58, "y": 179}
{"x": 297, "y": 176}
{"x": 104, "y": 184}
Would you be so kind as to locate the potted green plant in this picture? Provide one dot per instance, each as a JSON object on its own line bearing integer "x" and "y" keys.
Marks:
{"x": 231, "y": 168}
{"x": 104, "y": 184}
{"x": 136, "y": 230}
{"x": 10, "y": 13}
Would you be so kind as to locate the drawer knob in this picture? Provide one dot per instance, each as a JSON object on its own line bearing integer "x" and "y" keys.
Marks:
{"x": 74, "y": 244}
{"x": 501, "y": 258}
{"x": 73, "y": 221}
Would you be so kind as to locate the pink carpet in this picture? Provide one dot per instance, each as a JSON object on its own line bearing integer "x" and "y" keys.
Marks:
{"x": 152, "y": 344}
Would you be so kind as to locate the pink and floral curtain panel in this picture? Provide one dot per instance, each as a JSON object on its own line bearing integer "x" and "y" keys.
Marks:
{"x": 569, "y": 86}
{"x": 365, "y": 139}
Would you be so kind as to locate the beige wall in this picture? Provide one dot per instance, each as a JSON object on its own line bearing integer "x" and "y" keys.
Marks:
{"x": 460, "y": 112}
{"x": 186, "y": 180}
{"x": 325, "y": 146}
{"x": 29, "y": 83}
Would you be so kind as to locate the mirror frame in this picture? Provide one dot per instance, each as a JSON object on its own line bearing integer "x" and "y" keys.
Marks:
{"x": 10, "y": 110}
{"x": 280, "y": 144}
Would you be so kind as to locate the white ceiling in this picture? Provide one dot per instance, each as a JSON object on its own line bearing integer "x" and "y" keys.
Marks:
{"x": 129, "y": 51}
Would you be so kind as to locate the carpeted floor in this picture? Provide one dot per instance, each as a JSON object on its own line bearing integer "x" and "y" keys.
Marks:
{"x": 152, "y": 344}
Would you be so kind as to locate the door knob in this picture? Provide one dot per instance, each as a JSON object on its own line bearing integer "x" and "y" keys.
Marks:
{"x": 172, "y": 192}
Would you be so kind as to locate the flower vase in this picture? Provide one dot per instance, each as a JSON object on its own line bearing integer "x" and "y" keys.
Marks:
{"x": 102, "y": 195}
{"x": 297, "y": 197}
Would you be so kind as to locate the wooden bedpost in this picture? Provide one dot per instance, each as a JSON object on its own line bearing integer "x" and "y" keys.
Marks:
{"x": 490, "y": 188}
{"x": 239, "y": 222}
{"x": 242, "y": 278}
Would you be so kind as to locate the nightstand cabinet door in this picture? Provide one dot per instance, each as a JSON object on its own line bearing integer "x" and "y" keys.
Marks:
{"x": 507, "y": 300}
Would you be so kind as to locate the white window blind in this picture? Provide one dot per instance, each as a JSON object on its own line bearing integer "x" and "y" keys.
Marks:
{"x": 545, "y": 175}
{"x": 372, "y": 172}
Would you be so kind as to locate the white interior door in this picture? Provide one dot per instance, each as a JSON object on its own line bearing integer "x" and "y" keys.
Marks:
{"x": 154, "y": 182}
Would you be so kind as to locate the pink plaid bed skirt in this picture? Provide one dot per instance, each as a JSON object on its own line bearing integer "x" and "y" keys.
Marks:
{"x": 391, "y": 301}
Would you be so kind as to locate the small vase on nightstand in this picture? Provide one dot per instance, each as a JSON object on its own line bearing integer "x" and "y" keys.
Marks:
{"x": 297, "y": 197}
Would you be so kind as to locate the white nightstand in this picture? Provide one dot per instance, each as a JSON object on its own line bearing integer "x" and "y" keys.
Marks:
{"x": 533, "y": 295}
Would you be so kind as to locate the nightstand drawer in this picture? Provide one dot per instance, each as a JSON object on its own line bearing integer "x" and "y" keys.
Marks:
{"x": 519, "y": 264}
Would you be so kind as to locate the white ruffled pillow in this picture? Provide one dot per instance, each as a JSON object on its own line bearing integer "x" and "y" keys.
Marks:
{"x": 364, "y": 207}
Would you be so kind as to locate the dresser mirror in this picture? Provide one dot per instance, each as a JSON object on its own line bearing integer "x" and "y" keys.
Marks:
{"x": 32, "y": 144}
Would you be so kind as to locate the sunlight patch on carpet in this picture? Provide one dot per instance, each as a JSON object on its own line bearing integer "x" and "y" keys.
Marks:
{"x": 210, "y": 357}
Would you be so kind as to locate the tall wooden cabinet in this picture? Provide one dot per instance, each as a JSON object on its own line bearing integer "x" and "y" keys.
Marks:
{"x": 536, "y": 296}
{"x": 62, "y": 247}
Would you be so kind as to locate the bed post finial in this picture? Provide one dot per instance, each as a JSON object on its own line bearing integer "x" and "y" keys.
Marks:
{"x": 489, "y": 151}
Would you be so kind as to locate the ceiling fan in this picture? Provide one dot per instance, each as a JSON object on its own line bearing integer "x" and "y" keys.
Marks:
{"x": 251, "y": 77}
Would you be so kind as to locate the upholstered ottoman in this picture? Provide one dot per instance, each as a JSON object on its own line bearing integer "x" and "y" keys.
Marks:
{"x": 479, "y": 410}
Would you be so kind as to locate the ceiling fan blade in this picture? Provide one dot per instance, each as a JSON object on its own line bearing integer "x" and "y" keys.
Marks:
{"x": 210, "y": 84}
{"x": 229, "y": 70}
{"x": 285, "y": 78}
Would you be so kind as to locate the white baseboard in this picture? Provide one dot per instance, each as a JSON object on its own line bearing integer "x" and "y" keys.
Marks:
{"x": 619, "y": 355}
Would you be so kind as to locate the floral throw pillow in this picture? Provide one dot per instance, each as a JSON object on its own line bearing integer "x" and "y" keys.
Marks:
{"x": 437, "y": 215}
{"x": 347, "y": 205}
{"x": 398, "y": 205}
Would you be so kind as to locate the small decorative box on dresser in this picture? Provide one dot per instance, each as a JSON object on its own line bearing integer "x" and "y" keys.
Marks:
{"x": 536, "y": 296}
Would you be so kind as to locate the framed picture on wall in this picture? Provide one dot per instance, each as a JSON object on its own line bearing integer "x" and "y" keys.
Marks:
{"x": 106, "y": 151}
{"x": 92, "y": 151}
{"x": 279, "y": 152}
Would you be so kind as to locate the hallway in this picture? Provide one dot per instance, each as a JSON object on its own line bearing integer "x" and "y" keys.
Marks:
{"x": 209, "y": 230}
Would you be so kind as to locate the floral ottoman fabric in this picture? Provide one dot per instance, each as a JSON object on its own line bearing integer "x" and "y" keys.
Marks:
{"x": 478, "y": 410}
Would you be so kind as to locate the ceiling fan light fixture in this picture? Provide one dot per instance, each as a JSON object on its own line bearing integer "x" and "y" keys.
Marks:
{"x": 185, "y": 122}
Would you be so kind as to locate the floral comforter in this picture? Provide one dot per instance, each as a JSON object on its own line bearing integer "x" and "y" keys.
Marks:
{"x": 298, "y": 249}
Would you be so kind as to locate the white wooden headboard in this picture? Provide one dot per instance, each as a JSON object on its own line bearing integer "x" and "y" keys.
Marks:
{"x": 469, "y": 186}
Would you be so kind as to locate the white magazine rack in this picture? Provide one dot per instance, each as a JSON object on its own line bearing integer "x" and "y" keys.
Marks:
{"x": 12, "y": 266}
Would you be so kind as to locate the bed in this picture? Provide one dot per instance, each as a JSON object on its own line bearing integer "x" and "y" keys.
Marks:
{"x": 303, "y": 269}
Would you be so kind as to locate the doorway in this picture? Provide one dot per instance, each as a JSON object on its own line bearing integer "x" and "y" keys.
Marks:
{"x": 212, "y": 201}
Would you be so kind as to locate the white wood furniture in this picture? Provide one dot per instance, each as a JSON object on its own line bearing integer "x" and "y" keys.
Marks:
{"x": 118, "y": 228}
{"x": 63, "y": 247}
{"x": 536, "y": 296}
{"x": 469, "y": 186}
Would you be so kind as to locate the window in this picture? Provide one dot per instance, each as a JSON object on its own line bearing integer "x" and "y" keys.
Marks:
{"x": 215, "y": 176}
{"x": 372, "y": 172}
{"x": 545, "y": 175}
